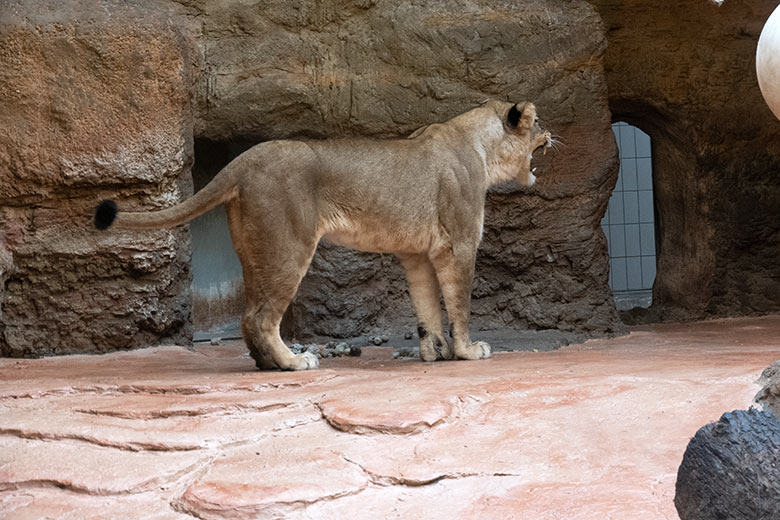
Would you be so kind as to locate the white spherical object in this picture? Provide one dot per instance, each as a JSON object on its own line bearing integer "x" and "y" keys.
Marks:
{"x": 768, "y": 62}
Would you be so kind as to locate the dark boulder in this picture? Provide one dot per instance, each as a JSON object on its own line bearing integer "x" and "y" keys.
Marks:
{"x": 731, "y": 469}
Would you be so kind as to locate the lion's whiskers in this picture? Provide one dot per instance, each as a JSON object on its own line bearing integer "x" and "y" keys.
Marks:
{"x": 556, "y": 143}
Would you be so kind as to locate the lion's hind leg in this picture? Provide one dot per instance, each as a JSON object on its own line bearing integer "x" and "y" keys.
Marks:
{"x": 274, "y": 286}
{"x": 254, "y": 342}
{"x": 261, "y": 328}
{"x": 273, "y": 269}
{"x": 424, "y": 290}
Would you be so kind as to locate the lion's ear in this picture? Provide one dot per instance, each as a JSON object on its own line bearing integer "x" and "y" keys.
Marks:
{"x": 521, "y": 116}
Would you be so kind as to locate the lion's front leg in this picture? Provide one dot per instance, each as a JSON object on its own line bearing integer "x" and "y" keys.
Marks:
{"x": 455, "y": 271}
{"x": 424, "y": 290}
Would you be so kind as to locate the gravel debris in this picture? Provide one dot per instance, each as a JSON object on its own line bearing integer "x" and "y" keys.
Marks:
{"x": 406, "y": 353}
{"x": 330, "y": 349}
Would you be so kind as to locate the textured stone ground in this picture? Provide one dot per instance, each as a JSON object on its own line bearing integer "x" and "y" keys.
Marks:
{"x": 592, "y": 431}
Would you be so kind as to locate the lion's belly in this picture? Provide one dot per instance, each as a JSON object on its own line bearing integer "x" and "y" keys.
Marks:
{"x": 361, "y": 243}
{"x": 379, "y": 239}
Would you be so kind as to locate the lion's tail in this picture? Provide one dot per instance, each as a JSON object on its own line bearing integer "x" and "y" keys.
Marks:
{"x": 221, "y": 189}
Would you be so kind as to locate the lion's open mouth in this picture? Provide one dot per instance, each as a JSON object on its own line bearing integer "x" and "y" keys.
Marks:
{"x": 548, "y": 143}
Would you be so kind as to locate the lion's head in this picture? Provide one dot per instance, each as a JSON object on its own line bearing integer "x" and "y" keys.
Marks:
{"x": 509, "y": 140}
{"x": 524, "y": 137}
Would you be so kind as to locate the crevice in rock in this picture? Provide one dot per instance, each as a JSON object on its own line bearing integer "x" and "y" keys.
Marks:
{"x": 308, "y": 417}
{"x": 69, "y": 486}
{"x": 161, "y": 390}
{"x": 112, "y": 390}
{"x": 216, "y": 410}
{"x": 469, "y": 404}
{"x": 183, "y": 483}
{"x": 134, "y": 446}
{"x": 204, "y": 510}
{"x": 182, "y": 509}
{"x": 52, "y": 484}
{"x": 391, "y": 480}
{"x": 270, "y": 433}
{"x": 294, "y": 384}
{"x": 59, "y": 392}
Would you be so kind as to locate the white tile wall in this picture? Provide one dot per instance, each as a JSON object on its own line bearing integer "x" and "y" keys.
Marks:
{"x": 634, "y": 273}
{"x": 617, "y": 241}
{"x": 633, "y": 245}
{"x": 644, "y": 167}
{"x": 629, "y": 223}
{"x": 631, "y": 207}
{"x": 619, "y": 275}
{"x": 628, "y": 174}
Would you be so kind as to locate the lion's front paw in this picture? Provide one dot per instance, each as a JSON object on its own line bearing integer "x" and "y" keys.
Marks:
{"x": 305, "y": 361}
{"x": 476, "y": 350}
{"x": 434, "y": 347}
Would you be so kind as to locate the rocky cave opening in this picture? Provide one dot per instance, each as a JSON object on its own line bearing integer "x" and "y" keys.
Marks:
{"x": 217, "y": 281}
{"x": 681, "y": 257}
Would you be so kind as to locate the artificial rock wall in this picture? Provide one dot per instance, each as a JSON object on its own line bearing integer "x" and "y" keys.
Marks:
{"x": 684, "y": 72}
{"x": 105, "y": 102}
{"x": 277, "y": 70}
{"x": 94, "y": 103}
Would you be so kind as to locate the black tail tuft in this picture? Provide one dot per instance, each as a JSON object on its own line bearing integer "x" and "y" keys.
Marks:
{"x": 105, "y": 214}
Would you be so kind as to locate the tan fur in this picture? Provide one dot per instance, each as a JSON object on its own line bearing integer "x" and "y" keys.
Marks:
{"x": 421, "y": 198}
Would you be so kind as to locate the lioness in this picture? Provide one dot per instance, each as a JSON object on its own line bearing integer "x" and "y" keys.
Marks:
{"x": 421, "y": 198}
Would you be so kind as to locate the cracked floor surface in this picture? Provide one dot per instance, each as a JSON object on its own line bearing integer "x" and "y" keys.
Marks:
{"x": 589, "y": 431}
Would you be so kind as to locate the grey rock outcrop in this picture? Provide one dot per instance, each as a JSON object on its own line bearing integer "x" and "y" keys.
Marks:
{"x": 769, "y": 395}
{"x": 731, "y": 468}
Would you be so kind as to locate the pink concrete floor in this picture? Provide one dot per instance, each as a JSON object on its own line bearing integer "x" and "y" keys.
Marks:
{"x": 594, "y": 431}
